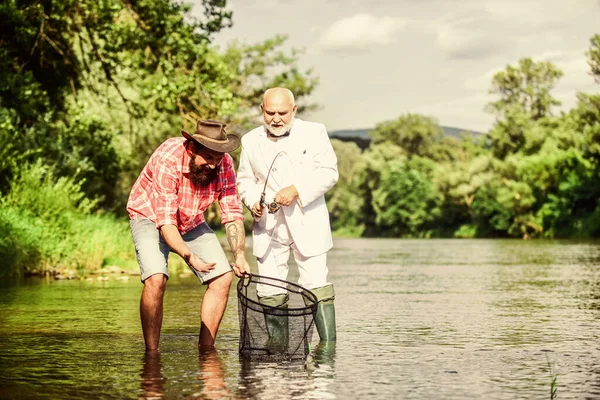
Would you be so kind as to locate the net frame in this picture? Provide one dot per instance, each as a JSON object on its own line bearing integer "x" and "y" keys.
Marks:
{"x": 252, "y": 330}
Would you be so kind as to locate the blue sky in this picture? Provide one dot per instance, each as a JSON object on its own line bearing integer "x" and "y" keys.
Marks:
{"x": 379, "y": 59}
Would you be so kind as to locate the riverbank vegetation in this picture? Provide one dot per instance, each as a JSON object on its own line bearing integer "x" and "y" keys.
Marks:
{"x": 88, "y": 90}
{"x": 535, "y": 174}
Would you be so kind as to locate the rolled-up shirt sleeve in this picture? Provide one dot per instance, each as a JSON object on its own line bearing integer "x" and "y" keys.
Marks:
{"x": 229, "y": 202}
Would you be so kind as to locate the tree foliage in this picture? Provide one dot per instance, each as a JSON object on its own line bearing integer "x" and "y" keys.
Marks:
{"x": 414, "y": 133}
{"x": 89, "y": 89}
{"x": 532, "y": 175}
{"x": 343, "y": 201}
{"x": 527, "y": 86}
{"x": 96, "y": 86}
{"x": 407, "y": 202}
{"x": 525, "y": 98}
{"x": 593, "y": 55}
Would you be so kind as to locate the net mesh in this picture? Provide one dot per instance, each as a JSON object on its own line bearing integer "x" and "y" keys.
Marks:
{"x": 275, "y": 330}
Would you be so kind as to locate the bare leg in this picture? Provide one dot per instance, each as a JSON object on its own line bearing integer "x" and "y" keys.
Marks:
{"x": 213, "y": 308}
{"x": 151, "y": 309}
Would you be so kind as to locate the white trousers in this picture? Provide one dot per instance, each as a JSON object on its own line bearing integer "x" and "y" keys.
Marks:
{"x": 274, "y": 264}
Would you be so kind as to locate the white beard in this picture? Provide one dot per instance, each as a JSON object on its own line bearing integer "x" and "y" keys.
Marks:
{"x": 279, "y": 131}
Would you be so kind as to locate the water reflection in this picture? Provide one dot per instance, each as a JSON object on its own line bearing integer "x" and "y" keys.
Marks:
{"x": 447, "y": 319}
{"x": 270, "y": 380}
{"x": 212, "y": 374}
{"x": 152, "y": 378}
{"x": 207, "y": 382}
{"x": 293, "y": 379}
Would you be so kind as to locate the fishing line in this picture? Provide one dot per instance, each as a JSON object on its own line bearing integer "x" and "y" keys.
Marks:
{"x": 272, "y": 206}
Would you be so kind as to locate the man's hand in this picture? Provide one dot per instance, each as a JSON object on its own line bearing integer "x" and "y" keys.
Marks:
{"x": 286, "y": 195}
{"x": 257, "y": 210}
{"x": 195, "y": 262}
{"x": 241, "y": 265}
{"x": 177, "y": 244}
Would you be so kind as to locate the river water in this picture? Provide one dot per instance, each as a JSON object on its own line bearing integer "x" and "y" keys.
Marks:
{"x": 417, "y": 319}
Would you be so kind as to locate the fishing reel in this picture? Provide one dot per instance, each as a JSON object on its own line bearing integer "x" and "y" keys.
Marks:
{"x": 273, "y": 206}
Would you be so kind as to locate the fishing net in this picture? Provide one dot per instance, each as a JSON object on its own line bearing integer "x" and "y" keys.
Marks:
{"x": 276, "y": 327}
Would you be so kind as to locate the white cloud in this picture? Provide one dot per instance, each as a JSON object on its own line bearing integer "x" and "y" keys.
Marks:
{"x": 538, "y": 14}
{"x": 492, "y": 28}
{"x": 431, "y": 56}
{"x": 472, "y": 37}
{"x": 359, "y": 31}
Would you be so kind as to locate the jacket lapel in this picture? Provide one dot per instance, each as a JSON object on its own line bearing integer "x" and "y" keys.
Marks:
{"x": 294, "y": 150}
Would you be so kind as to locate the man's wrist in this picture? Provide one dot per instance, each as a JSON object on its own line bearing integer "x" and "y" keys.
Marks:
{"x": 186, "y": 257}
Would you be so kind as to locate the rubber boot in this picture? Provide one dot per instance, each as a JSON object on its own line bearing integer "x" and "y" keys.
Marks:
{"x": 276, "y": 322}
{"x": 325, "y": 352}
{"x": 325, "y": 316}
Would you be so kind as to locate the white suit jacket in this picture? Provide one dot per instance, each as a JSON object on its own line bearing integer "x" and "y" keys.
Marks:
{"x": 313, "y": 172}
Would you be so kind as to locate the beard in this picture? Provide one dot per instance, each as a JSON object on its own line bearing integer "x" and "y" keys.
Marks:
{"x": 279, "y": 131}
{"x": 201, "y": 176}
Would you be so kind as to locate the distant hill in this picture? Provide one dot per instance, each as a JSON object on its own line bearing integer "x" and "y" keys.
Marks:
{"x": 362, "y": 139}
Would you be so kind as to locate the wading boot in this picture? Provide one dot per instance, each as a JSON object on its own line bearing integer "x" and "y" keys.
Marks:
{"x": 276, "y": 321}
{"x": 325, "y": 316}
{"x": 325, "y": 352}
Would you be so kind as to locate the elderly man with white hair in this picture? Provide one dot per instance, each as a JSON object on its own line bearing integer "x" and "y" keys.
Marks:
{"x": 286, "y": 167}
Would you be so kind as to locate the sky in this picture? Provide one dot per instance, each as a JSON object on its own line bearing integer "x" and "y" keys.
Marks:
{"x": 379, "y": 59}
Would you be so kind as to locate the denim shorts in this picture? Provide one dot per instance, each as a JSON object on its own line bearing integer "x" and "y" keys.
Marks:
{"x": 152, "y": 251}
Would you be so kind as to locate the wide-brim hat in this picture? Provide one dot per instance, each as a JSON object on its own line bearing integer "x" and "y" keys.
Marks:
{"x": 212, "y": 134}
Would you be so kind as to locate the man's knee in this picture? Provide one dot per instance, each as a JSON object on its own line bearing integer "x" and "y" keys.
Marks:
{"x": 221, "y": 283}
{"x": 156, "y": 284}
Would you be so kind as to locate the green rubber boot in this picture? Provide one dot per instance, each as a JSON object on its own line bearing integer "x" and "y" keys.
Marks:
{"x": 325, "y": 316}
{"x": 325, "y": 352}
{"x": 277, "y": 325}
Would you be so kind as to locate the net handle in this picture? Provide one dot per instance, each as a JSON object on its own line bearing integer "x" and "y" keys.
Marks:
{"x": 246, "y": 277}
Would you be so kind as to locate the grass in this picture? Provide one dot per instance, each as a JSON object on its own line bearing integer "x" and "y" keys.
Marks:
{"x": 31, "y": 245}
{"x": 553, "y": 380}
{"x": 48, "y": 226}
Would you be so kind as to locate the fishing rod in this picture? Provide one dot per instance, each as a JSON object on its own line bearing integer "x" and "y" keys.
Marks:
{"x": 272, "y": 206}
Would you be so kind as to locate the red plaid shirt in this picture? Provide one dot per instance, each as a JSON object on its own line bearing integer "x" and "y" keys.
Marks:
{"x": 164, "y": 194}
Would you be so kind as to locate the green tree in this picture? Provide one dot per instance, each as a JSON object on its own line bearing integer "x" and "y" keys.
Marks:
{"x": 586, "y": 115}
{"x": 58, "y": 46}
{"x": 368, "y": 178}
{"x": 504, "y": 208}
{"x": 343, "y": 201}
{"x": 459, "y": 183}
{"x": 55, "y": 54}
{"x": 586, "y": 121}
{"x": 80, "y": 78}
{"x": 414, "y": 133}
{"x": 593, "y": 55}
{"x": 527, "y": 85}
{"x": 568, "y": 188}
{"x": 524, "y": 92}
{"x": 407, "y": 202}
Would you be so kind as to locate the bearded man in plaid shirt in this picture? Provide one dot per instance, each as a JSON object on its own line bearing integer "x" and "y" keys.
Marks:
{"x": 183, "y": 177}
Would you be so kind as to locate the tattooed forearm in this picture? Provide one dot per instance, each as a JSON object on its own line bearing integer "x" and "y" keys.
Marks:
{"x": 236, "y": 237}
